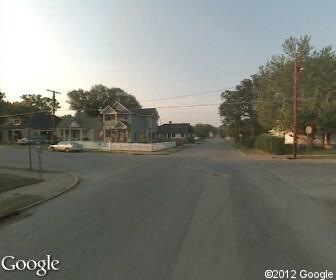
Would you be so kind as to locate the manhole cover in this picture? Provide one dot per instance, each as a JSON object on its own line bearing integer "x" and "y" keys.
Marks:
{"x": 218, "y": 174}
{"x": 194, "y": 167}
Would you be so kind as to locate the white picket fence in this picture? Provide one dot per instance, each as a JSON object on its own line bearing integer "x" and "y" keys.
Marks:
{"x": 135, "y": 147}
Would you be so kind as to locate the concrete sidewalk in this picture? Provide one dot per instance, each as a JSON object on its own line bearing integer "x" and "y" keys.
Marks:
{"x": 22, "y": 198}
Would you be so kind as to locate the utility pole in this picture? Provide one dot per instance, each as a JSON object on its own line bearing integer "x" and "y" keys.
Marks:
{"x": 29, "y": 149}
{"x": 296, "y": 76}
{"x": 53, "y": 113}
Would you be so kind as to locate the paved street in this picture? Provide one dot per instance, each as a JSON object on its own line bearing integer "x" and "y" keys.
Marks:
{"x": 207, "y": 212}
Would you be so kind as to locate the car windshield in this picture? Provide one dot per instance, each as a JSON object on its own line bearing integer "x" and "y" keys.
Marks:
{"x": 168, "y": 139}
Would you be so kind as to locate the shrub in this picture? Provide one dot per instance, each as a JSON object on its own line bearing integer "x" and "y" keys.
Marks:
{"x": 272, "y": 144}
{"x": 143, "y": 137}
{"x": 248, "y": 141}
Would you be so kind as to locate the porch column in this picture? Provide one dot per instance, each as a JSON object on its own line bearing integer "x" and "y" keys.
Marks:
{"x": 80, "y": 134}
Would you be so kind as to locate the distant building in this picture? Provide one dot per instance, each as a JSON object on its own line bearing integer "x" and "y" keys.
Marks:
{"x": 18, "y": 127}
{"x": 124, "y": 125}
{"x": 176, "y": 131}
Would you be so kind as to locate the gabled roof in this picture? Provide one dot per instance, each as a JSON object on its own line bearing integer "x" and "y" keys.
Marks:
{"x": 118, "y": 125}
{"x": 65, "y": 122}
{"x": 145, "y": 111}
{"x": 175, "y": 128}
{"x": 82, "y": 120}
{"x": 121, "y": 125}
{"x": 108, "y": 110}
{"x": 119, "y": 107}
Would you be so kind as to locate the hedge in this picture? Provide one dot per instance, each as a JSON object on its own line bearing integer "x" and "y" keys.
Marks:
{"x": 272, "y": 144}
{"x": 248, "y": 141}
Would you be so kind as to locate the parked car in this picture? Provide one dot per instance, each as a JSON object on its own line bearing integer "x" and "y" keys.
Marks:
{"x": 66, "y": 146}
{"x": 24, "y": 141}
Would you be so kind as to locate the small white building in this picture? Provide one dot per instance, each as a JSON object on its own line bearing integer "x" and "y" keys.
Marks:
{"x": 176, "y": 131}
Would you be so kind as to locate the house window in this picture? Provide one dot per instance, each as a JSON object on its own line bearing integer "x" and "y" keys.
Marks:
{"x": 149, "y": 135}
{"x": 17, "y": 122}
{"x": 135, "y": 136}
{"x": 109, "y": 117}
{"x": 182, "y": 134}
{"x": 173, "y": 135}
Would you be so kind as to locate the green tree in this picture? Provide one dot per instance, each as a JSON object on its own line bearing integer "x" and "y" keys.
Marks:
{"x": 38, "y": 102}
{"x": 317, "y": 87}
{"x": 98, "y": 97}
{"x": 3, "y": 106}
{"x": 237, "y": 110}
{"x": 203, "y": 130}
{"x": 2, "y": 96}
{"x": 318, "y": 102}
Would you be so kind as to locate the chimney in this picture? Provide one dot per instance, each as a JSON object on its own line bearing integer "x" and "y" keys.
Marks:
{"x": 170, "y": 122}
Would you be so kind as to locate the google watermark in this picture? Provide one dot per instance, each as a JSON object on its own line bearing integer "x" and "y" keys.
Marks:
{"x": 39, "y": 267}
{"x": 298, "y": 274}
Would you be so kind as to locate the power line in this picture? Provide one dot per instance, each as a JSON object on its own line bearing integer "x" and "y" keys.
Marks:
{"x": 186, "y": 95}
{"x": 23, "y": 114}
{"x": 188, "y": 106}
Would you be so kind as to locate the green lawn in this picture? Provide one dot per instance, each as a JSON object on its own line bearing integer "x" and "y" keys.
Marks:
{"x": 9, "y": 181}
{"x": 14, "y": 203}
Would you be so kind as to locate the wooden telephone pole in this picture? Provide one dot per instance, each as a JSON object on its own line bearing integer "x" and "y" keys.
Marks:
{"x": 53, "y": 104}
{"x": 296, "y": 76}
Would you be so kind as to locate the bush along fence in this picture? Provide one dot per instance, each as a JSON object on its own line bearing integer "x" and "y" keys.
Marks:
{"x": 272, "y": 144}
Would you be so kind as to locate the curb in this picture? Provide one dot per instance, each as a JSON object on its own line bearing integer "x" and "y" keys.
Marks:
{"x": 24, "y": 208}
{"x": 30, "y": 170}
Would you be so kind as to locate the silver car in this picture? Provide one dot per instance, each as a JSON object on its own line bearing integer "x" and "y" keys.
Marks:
{"x": 24, "y": 141}
{"x": 66, "y": 146}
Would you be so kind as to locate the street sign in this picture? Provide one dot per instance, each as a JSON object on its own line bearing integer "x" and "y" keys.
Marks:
{"x": 309, "y": 130}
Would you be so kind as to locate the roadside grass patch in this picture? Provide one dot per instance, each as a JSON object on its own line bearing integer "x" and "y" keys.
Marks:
{"x": 13, "y": 203}
{"x": 10, "y": 181}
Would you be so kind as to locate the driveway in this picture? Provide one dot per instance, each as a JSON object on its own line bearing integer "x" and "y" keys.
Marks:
{"x": 207, "y": 212}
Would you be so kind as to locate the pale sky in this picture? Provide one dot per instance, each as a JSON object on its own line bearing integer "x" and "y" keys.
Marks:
{"x": 151, "y": 48}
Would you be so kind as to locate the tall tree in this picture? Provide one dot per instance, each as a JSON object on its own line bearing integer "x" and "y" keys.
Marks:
{"x": 2, "y": 96}
{"x": 98, "y": 97}
{"x": 317, "y": 87}
{"x": 203, "y": 130}
{"x": 38, "y": 102}
{"x": 237, "y": 110}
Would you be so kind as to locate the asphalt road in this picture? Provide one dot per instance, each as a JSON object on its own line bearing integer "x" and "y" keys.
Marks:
{"x": 207, "y": 212}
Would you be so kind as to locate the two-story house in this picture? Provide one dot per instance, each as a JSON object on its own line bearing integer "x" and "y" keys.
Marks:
{"x": 28, "y": 126}
{"x": 124, "y": 125}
